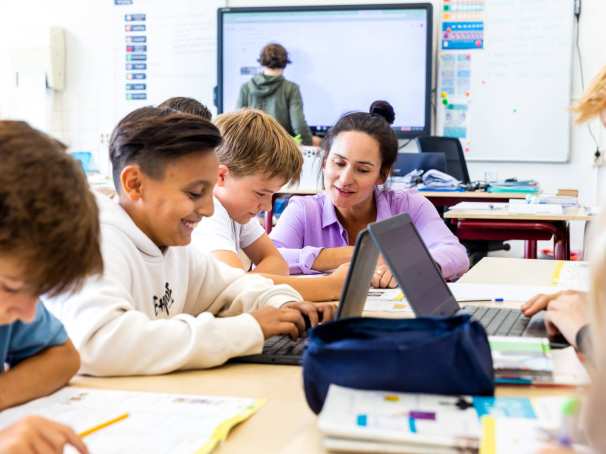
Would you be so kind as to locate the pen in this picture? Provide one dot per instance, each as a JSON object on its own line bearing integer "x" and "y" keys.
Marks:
{"x": 103, "y": 425}
{"x": 483, "y": 300}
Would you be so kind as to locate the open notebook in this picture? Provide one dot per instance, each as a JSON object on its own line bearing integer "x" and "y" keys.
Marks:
{"x": 156, "y": 422}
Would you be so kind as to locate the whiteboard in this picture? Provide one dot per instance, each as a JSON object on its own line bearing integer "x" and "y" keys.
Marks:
{"x": 509, "y": 99}
{"x": 177, "y": 43}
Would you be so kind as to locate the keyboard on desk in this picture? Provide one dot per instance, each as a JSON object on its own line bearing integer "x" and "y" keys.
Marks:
{"x": 496, "y": 321}
{"x": 278, "y": 350}
{"x": 499, "y": 321}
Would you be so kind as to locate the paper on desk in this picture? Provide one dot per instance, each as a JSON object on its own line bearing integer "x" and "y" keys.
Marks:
{"x": 386, "y": 300}
{"x": 567, "y": 369}
{"x": 465, "y": 206}
{"x": 572, "y": 275}
{"x": 536, "y": 208}
{"x": 465, "y": 291}
{"x": 523, "y": 435}
{"x": 156, "y": 422}
{"x": 392, "y": 300}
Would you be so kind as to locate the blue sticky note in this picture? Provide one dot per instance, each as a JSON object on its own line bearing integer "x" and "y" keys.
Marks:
{"x": 362, "y": 420}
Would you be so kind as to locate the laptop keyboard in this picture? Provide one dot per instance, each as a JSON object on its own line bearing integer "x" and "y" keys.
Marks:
{"x": 499, "y": 321}
{"x": 496, "y": 321}
{"x": 284, "y": 346}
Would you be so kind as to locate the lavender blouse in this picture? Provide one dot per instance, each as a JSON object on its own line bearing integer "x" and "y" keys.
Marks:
{"x": 310, "y": 223}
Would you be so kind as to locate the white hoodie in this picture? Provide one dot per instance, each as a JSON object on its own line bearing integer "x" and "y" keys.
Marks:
{"x": 153, "y": 312}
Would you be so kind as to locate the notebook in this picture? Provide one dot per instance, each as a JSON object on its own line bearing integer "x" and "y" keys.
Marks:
{"x": 380, "y": 421}
{"x": 156, "y": 422}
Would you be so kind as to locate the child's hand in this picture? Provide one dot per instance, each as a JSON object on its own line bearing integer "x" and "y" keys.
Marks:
{"x": 336, "y": 280}
{"x": 541, "y": 301}
{"x": 34, "y": 434}
{"x": 552, "y": 449}
{"x": 275, "y": 322}
{"x": 315, "y": 313}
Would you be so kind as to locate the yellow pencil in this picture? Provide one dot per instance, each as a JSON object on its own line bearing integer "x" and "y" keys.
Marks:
{"x": 103, "y": 425}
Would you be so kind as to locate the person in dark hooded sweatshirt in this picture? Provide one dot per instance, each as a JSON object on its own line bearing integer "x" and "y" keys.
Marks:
{"x": 273, "y": 94}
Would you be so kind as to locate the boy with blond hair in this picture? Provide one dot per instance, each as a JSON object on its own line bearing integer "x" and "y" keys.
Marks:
{"x": 257, "y": 157}
{"x": 49, "y": 243}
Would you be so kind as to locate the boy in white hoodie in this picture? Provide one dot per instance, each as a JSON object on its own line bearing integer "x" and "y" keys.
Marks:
{"x": 160, "y": 306}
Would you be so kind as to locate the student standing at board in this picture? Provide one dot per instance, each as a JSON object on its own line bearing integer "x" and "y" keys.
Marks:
{"x": 317, "y": 233}
{"x": 273, "y": 94}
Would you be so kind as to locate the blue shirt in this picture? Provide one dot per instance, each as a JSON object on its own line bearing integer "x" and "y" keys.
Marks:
{"x": 19, "y": 340}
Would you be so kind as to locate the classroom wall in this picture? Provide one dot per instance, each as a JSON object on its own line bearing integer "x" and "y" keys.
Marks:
{"x": 84, "y": 114}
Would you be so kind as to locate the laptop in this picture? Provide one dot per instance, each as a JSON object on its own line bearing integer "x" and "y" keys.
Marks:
{"x": 426, "y": 291}
{"x": 284, "y": 350}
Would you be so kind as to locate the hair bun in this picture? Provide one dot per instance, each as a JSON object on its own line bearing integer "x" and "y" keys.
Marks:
{"x": 383, "y": 109}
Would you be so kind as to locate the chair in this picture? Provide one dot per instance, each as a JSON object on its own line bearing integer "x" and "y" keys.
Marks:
{"x": 407, "y": 162}
{"x": 453, "y": 152}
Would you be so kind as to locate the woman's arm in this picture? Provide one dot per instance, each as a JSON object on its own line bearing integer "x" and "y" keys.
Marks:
{"x": 289, "y": 237}
{"x": 38, "y": 375}
{"x": 331, "y": 257}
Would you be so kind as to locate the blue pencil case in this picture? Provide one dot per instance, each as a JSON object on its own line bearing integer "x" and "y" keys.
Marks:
{"x": 423, "y": 355}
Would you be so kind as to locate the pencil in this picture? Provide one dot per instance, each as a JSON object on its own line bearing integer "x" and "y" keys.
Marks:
{"x": 103, "y": 425}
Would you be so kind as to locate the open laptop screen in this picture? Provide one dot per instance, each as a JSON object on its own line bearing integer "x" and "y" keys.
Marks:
{"x": 413, "y": 267}
{"x": 357, "y": 283}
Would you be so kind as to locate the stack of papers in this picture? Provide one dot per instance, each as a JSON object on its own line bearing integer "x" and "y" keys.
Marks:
{"x": 562, "y": 200}
{"x": 517, "y": 206}
{"x": 378, "y": 421}
{"x": 522, "y": 186}
{"x": 523, "y": 360}
{"x": 435, "y": 180}
{"x": 473, "y": 206}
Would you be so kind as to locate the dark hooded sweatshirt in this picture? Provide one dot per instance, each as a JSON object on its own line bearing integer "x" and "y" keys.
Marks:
{"x": 279, "y": 98}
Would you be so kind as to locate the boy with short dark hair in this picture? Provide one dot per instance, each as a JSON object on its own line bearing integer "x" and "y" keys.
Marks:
{"x": 187, "y": 105}
{"x": 161, "y": 305}
{"x": 49, "y": 243}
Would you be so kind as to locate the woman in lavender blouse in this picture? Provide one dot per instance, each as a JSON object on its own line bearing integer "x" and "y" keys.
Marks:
{"x": 317, "y": 233}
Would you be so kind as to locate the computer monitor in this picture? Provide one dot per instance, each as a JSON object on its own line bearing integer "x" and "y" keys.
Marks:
{"x": 407, "y": 162}
{"x": 343, "y": 58}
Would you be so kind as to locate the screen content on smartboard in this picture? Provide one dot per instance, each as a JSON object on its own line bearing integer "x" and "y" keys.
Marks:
{"x": 342, "y": 58}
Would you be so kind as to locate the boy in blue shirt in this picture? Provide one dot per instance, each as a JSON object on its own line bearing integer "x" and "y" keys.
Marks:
{"x": 49, "y": 242}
